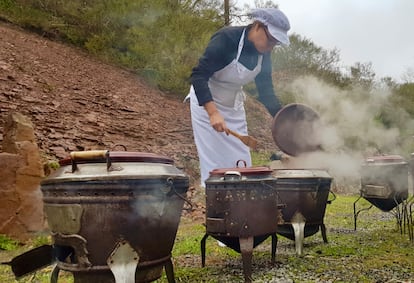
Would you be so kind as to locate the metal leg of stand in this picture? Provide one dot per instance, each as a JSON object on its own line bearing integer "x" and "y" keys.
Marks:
{"x": 405, "y": 217}
{"x": 356, "y": 213}
{"x": 399, "y": 213}
{"x": 411, "y": 224}
{"x": 246, "y": 249}
{"x": 203, "y": 250}
{"x": 169, "y": 271}
{"x": 274, "y": 246}
{"x": 323, "y": 231}
{"x": 408, "y": 217}
{"x": 55, "y": 274}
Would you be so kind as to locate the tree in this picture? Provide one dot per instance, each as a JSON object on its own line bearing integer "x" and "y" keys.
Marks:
{"x": 362, "y": 75}
{"x": 303, "y": 57}
{"x": 404, "y": 98}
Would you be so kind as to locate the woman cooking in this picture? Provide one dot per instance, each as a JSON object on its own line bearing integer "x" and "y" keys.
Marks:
{"x": 235, "y": 56}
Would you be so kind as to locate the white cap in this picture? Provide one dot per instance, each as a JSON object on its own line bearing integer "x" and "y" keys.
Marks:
{"x": 277, "y": 23}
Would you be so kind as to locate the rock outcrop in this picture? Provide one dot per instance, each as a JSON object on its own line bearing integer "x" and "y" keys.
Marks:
{"x": 21, "y": 206}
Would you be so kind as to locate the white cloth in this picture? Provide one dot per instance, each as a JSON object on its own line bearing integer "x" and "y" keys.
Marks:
{"x": 217, "y": 150}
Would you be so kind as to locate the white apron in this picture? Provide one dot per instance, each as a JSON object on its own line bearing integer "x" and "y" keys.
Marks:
{"x": 218, "y": 150}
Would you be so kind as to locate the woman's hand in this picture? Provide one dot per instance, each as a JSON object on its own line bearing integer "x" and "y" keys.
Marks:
{"x": 216, "y": 119}
{"x": 217, "y": 122}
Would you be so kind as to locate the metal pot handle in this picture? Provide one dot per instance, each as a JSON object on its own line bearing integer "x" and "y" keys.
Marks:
{"x": 241, "y": 160}
{"x": 170, "y": 182}
{"x": 232, "y": 175}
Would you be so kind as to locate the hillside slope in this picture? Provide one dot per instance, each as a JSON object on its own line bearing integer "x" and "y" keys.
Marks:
{"x": 79, "y": 103}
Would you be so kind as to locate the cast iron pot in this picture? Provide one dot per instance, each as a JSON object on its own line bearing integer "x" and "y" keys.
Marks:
{"x": 111, "y": 210}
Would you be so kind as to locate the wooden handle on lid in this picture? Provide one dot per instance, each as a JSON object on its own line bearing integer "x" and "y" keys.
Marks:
{"x": 90, "y": 154}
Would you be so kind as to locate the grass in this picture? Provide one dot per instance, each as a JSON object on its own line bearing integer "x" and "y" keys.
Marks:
{"x": 260, "y": 157}
{"x": 376, "y": 252}
{"x": 7, "y": 244}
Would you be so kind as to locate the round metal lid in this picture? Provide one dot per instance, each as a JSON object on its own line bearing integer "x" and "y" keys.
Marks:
{"x": 100, "y": 156}
{"x": 294, "y": 129}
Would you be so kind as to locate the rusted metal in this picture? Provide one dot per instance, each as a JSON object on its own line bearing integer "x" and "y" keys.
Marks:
{"x": 305, "y": 195}
{"x": 94, "y": 204}
{"x": 242, "y": 210}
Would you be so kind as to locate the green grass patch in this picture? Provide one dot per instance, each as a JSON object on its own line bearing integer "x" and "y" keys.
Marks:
{"x": 375, "y": 252}
{"x": 7, "y": 244}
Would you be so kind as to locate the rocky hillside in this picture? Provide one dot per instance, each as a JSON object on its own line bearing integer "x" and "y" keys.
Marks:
{"x": 76, "y": 102}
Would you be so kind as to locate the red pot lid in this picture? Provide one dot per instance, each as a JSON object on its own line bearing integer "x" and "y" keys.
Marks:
{"x": 99, "y": 156}
{"x": 385, "y": 159}
{"x": 294, "y": 129}
{"x": 244, "y": 171}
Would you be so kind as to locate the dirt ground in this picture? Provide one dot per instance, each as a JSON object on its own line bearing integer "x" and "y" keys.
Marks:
{"x": 77, "y": 102}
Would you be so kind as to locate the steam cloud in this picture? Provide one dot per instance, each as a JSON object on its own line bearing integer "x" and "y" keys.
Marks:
{"x": 350, "y": 130}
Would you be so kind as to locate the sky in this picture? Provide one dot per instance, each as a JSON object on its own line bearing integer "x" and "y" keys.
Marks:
{"x": 376, "y": 31}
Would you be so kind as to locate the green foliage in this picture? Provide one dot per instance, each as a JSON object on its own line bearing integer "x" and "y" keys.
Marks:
{"x": 303, "y": 57}
{"x": 161, "y": 39}
{"x": 362, "y": 75}
{"x": 41, "y": 240}
{"x": 6, "y": 4}
{"x": 7, "y": 244}
{"x": 260, "y": 158}
{"x": 189, "y": 237}
{"x": 404, "y": 97}
{"x": 53, "y": 165}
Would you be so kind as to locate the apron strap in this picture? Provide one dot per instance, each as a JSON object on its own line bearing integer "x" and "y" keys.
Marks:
{"x": 240, "y": 48}
{"x": 241, "y": 43}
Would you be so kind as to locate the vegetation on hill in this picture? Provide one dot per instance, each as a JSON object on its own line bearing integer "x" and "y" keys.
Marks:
{"x": 161, "y": 40}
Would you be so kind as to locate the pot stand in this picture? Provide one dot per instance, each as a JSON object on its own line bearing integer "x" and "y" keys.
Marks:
{"x": 400, "y": 210}
{"x": 123, "y": 262}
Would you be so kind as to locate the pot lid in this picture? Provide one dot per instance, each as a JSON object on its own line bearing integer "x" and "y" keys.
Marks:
{"x": 100, "y": 156}
{"x": 244, "y": 171}
{"x": 384, "y": 159}
{"x": 248, "y": 171}
{"x": 294, "y": 129}
{"x": 300, "y": 173}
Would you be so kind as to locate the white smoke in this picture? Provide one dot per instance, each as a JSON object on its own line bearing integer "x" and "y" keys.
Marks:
{"x": 350, "y": 129}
